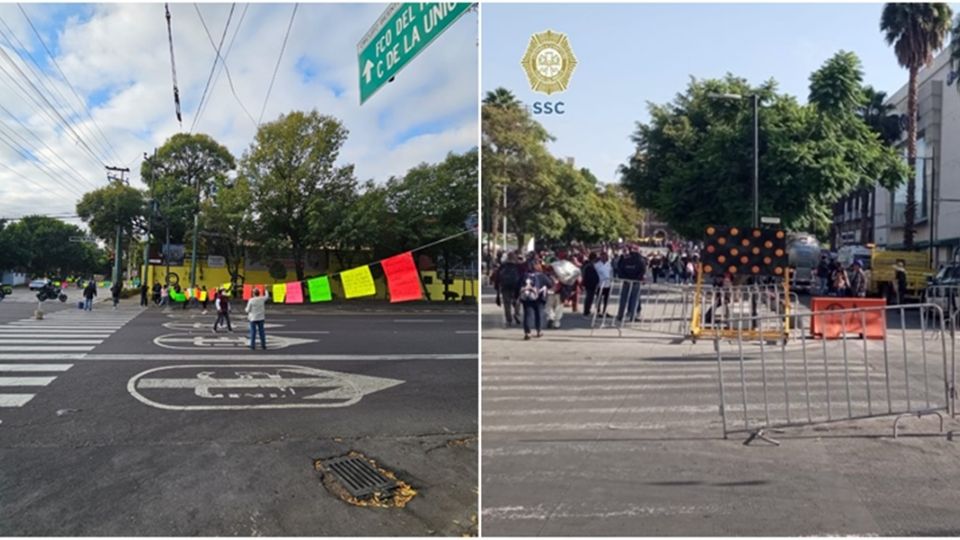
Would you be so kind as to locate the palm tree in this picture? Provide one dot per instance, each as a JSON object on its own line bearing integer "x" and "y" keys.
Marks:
{"x": 501, "y": 97}
{"x": 955, "y": 49}
{"x": 916, "y": 31}
{"x": 882, "y": 120}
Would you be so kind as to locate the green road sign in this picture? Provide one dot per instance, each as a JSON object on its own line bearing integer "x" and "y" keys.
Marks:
{"x": 400, "y": 34}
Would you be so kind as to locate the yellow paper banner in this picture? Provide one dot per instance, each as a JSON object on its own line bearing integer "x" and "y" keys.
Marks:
{"x": 358, "y": 282}
{"x": 279, "y": 292}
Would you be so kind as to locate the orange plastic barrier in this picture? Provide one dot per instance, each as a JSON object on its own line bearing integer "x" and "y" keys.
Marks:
{"x": 834, "y": 326}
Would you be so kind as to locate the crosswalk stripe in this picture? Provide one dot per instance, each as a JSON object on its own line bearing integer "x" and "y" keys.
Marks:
{"x": 46, "y": 348}
{"x": 15, "y": 400}
{"x": 26, "y": 381}
{"x": 671, "y": 377}
{"x": 35, "y": 367}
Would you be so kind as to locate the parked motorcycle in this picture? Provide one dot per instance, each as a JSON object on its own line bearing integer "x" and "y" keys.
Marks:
{"x": 51, "y": 292}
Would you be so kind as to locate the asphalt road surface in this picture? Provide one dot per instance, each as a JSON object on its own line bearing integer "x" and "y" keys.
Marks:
{"x": 604, "y": 435}
{"x": 144, "y": 422}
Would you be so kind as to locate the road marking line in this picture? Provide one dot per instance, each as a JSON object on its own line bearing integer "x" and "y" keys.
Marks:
{"x": 418, "y": 320}
{"x": 26, "y": 381}
{"x": 44, "y": 348}
{"x": 35, "y": 367}
{"x": 61, "y": 341}
{"x": 466, "y": 331}
{"x": 44, "y": 356}
{"x": 813, "y": 375}
{"x": 543, "y": 428}
{"x": 15, "y": 400}
{"x": 53, "y": 335}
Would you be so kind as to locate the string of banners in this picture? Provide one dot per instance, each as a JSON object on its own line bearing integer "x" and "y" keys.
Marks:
{"x": 403, "y": 282}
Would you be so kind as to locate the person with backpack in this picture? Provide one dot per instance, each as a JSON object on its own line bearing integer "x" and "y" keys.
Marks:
{"x": 507, "y": 280}
{"x": 89, "y": 292}
{"x": 533, "y": 294}
{"x": 632, "y": 269}
{"x": 222, "y": 304}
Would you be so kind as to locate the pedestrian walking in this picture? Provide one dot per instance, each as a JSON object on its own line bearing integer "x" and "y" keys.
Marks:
{"x": 256, "y": 309}
{"x": 165, "y": 295}
{"x": 533, "y": 294}
{"x": 223, "y": 311}
{"x": 89, "y": 292}
{"x": 841, "y": 282}
{"x": 143, "y": 294}
{"x": 507, "y": 281}
{"x": 156, "y": 293}
{"x": 115, "y": 293}
{"x": 554, "y": 299}
{"x": 823, "y": 275}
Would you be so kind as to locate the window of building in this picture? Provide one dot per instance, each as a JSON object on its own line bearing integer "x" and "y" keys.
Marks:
{"x": 900, "y": 195}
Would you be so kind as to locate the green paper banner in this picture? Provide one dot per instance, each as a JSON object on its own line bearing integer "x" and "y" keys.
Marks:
{"x": 320, "y": 289}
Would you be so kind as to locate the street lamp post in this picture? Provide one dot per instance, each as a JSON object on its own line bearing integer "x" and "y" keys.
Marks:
{"x": 756, "y": 148}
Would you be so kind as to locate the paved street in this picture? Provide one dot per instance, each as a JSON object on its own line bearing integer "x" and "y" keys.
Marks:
{"x": 600, "y": 435}
{"x": 143, "y": 422}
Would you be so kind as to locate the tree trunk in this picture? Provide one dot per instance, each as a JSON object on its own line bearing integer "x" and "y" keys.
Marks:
{"x": 298, "y": 260}
{"x": 910, "y": 216}
{"x": 494, "y": 229}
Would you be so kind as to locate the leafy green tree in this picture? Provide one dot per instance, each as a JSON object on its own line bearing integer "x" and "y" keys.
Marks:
{"x": 228, "y": 223}
{"x": 181, "y": 174}
{"x": 693, "y": 162}
{"x": 115, "y": 204}
{"x": 366, "y": 223}
{"x": 916, "y": 31}
{"x": 41, "y": 246}
{"x": 514, "y": 156}
{"x": 297, "y": 187}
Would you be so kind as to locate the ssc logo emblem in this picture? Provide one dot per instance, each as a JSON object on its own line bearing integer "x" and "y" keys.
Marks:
{"x": 549, "y": 62}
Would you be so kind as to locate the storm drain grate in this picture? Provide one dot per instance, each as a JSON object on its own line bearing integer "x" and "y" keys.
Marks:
{"x": 360, "y": 478}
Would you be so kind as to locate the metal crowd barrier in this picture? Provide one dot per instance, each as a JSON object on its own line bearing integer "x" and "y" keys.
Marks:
{"x": 805, "y": 381}
{"x": 660, "y": 308}
{"x": 947, "y": 298}
{"x": 768, "y": 307}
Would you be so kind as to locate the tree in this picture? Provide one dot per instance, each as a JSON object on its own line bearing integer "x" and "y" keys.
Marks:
{"x": 298, "y": 189}
{"x": 693, "y": 161}
{"x": 882, "y": 119}
{"x": 180, "y": 175}
{"x": 228, "y": 222}
{"x": 115, "y": 204}
{"x": 41, "y": 246}
{"x": 916, "y": 31}
{"x": 955, "y": 49}
{"x": 514, "y": 153}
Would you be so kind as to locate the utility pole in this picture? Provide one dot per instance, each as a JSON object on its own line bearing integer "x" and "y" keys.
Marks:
{"x": 121, "y": 179}
{"x": 146, "y": 240}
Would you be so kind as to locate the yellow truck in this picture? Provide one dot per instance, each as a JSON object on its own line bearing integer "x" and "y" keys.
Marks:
{"x": 882, "y": 277}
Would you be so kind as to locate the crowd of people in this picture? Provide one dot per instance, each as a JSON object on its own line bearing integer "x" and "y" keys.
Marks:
{"x": 533, "y": 288}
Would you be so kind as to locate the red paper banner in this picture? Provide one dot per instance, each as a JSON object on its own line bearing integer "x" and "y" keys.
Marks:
{"x": 247, "y": 291}
{"x": 294, "y": 293}
{"x": 402, "y": 278}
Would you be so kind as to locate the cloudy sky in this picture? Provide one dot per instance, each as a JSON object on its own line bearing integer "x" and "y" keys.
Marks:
{"x": 117, "y": 58}
{"x": 630, "y": 55}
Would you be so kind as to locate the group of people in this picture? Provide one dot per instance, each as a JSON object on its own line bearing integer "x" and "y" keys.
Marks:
{"x": 255, "y": 308}
{"x": 538, "y": 285}
{"x": 835, "y": 280}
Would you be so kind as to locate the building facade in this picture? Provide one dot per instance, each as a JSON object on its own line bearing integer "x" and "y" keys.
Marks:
{"x": 938, "y": 167}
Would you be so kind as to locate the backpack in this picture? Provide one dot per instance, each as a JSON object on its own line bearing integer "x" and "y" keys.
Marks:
{"x": 529, "y": 292}
{"x": 509, "y": 276}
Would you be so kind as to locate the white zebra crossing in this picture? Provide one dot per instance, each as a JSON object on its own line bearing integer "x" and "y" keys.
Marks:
{"x": 62, "y": 335}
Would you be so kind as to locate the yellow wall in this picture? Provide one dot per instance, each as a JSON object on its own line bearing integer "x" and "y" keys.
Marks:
{"x": 216, "y": 277}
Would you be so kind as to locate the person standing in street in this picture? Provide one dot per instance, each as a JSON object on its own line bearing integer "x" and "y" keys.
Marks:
{"x": 156, "y": 293}
{"x": 858, "y": 280}
{"x": 165, "y": 295}
{"x": 115, "y": 289}
{"x": 143, "y": 294}
{"x": 256, "y": 309}
{"x": 591, "y": 280}
{"x": 204, "y": 298}
{"x": 222, "y": 305}
{"x": 605, "y": 280}
{"x": 900, "y": 278}
{"x": 632, "y": 271}
{"x": 89, "y": 292}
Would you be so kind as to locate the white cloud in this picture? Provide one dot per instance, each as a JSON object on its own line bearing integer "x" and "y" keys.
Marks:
{"x": 121, "y": 51}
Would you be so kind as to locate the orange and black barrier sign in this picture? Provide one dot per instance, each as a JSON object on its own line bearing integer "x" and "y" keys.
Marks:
{"x": 744, "y": 251}
{"x": 851, "y": 323}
